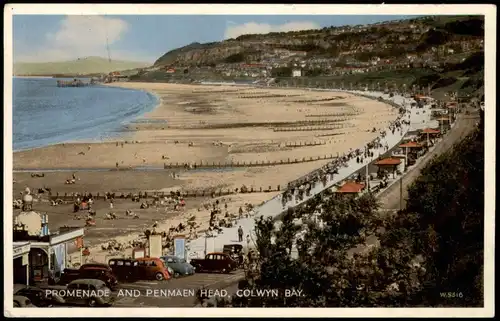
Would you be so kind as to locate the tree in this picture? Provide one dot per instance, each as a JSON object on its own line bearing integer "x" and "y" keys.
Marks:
{"x": 282, "y": 72}
{"x": 235, "y": 58}
{"x": 452, "y": 241}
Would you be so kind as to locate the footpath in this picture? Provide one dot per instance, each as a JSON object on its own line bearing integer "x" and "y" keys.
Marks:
{"x": 416, "y": 117}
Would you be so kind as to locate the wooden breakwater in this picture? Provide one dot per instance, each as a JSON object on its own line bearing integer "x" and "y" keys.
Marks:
{"x": 266, "y": 96}
{"x": 307, "y": 129}
{"x": 310, "y": 122}
{"x": 304, "y": 144}
{"x": 316, "y": 100}
{"x": 246, "y": 164}
{"x": 332, "y": 115}
{"x": 213, "y": 193}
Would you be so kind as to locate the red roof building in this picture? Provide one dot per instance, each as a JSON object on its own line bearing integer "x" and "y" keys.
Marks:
{"x": 430, "y": 131}
{"x": 390, "y": 161}
{"x": 410, "y": 145}
{"x": 351, "y": 187}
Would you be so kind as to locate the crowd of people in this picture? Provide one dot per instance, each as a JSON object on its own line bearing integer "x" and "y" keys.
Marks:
{"x": 298, "y": 189}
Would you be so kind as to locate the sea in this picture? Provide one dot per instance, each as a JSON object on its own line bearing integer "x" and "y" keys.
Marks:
{"x": 44, "y": 114}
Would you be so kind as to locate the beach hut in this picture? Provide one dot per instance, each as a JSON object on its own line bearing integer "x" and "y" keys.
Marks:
{"x": 389, "y": 164}
{"x": 430, "y": 131}
{"x": 410, "y": 145}
{"x": 351, "y": 188}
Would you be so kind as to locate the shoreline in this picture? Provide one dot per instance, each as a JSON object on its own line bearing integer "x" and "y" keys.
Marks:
{"x": 265, "y": 201}
{"x": 110, "y": 134}
{"x": 258, "y": 177}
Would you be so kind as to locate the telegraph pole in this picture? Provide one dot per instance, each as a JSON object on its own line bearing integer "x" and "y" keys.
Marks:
{"x": 367, "y": 177}
{"x": 401, "y": 193}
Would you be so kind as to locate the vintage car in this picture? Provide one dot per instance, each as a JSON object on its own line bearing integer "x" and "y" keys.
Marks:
{"x": 153, "y": 268}
{"x": 235, "y": 251}
{"x": 98, "y": 273}
{"x": 96, "y": 266}
{"x": 216, "y": 261}
{"x": 36, "y": 295}
{"x": 22, "y": 302}
{"x": 125, "y": 269}
{"x": 89, "y": 300}
{"x": 179, "y": 266}
{"x": 140, "y": 269}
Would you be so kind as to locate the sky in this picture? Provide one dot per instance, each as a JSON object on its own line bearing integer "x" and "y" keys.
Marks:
{"x": 48, "y": 38}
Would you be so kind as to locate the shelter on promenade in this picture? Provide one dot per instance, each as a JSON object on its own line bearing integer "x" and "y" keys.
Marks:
{"x": 390, "y": 164}
{"x": 414, "y": 146}
{"x": 37, "y": 250}
{"x": 429, "y": 132}
{"x": 351, "y": 188}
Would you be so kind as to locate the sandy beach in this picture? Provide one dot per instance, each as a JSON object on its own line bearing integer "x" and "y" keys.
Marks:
{"x": 205, "y": 124}
{"x": 227, "y": 124}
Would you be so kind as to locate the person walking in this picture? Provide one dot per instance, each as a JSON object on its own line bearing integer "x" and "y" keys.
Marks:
{"x": 240, "y": 234}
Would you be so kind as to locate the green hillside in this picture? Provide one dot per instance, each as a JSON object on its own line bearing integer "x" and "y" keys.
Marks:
{"x": 88, "y": 65}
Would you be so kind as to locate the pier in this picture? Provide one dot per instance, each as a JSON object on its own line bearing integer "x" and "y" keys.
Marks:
{"x": 74, "y": 83}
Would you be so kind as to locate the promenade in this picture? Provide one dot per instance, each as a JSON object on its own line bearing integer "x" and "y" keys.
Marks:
{"x": 411, "y": 119}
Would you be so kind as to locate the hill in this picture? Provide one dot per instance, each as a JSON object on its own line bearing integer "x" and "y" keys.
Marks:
{"x": 444, "y": 53}
{"x": 87, "y": 65}
{"x": 390, "y": 39}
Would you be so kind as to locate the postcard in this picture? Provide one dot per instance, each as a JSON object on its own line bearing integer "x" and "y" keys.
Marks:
{"x": 196, "y": 160}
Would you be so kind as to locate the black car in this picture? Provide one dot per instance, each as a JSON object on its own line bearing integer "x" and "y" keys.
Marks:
{"x": 70, "y": 275}
{"x": 125, "y": 269}
{"x": 38, "y": 297}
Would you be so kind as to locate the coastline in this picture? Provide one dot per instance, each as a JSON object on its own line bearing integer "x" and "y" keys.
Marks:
{"x": 264, "y": 200}
{"x": 258, "y": 177}
{"x": 104, "y": 132}
{"x": 156, "y": 127}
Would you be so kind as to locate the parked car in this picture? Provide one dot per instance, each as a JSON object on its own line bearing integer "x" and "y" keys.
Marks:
{"x": 216, "y": 261}
{"x": 235, "y": 251}
{"x": 36, "y": 295}
{"x": 98, "y": 273}
{"x": 179, "y": 266}
{"x": 22, "y": 302}
{"x": 96, "y": 266}
{"x": 91, "y": 301}
{"x": 125, "y": 269}
{"x": 153, "y": 268}
{"x": 65, "y": 277}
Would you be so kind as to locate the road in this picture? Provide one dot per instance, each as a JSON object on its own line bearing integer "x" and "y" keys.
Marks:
{"x": 390, "y": 198}
{"x": 180, "y": 291}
